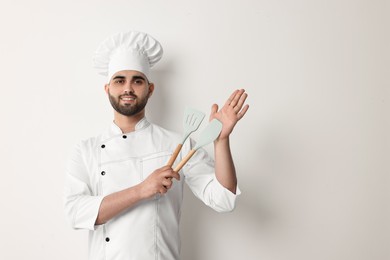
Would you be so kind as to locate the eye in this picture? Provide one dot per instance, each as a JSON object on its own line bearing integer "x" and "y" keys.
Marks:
{"x": 119, "y": 81}
{"x": 138, "y": 81}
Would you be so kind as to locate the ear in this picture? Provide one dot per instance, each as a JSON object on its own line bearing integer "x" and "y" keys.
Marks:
{"x": 106, "y": 88}
{"x": 151, "y": 89}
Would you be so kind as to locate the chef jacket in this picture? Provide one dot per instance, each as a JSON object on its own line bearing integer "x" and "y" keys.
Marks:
{"x": 114, "y": 161}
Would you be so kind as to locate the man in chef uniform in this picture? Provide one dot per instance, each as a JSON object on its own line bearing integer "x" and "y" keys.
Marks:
{"x": 117, "y": 185}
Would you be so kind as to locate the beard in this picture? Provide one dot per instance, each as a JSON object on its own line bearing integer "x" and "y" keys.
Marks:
{"x": 128, "y": 109}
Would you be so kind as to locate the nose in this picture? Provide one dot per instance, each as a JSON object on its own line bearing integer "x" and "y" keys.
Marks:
{"x": 128, "y": 88}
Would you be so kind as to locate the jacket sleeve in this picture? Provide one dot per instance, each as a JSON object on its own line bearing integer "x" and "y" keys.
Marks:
{"x": 200, "y": 177}
{"x": 81, "y": 205}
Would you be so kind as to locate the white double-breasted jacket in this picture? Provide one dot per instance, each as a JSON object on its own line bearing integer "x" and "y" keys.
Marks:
{"x": 114, "y": 161}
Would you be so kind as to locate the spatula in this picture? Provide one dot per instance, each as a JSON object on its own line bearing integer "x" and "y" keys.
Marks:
{"x": 208, "y": 135}
{"x": 191, "y": 122}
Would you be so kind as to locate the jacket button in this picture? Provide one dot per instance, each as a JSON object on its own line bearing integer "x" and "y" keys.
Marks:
{"x": 124, "y": 136}
{"x": 103, "y": 173}
{"x": 103, "y": 146}
{"x": 107, "y": 239}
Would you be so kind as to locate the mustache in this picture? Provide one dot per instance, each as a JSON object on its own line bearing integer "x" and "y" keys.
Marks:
{"x": 128, "y": 95}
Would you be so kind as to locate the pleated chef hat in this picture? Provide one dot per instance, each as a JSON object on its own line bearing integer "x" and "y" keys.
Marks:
{"x": 127, "y": 51}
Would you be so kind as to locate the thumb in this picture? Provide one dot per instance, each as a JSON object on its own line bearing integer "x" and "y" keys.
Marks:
{"x": 214, "y": 109}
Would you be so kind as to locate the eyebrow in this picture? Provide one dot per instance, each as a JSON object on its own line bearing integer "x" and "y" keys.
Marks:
{"x": 119, "y": 77}
{"x": 133, "y": 78}
{"x": 138, "y": 77}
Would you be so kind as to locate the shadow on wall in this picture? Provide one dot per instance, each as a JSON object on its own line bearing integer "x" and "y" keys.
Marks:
{"x": 265, "y": 217}
{"x": 251, "y": 221}
{"x": 204, "y": 231}
{"x": 160, "y": 106}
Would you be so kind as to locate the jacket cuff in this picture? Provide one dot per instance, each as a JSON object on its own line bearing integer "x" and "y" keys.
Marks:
{"x": 87, "y": 212}
{"x": 224, "y": 198}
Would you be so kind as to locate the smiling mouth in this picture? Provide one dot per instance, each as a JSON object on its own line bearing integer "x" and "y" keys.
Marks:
{"x": 127, "y": 99}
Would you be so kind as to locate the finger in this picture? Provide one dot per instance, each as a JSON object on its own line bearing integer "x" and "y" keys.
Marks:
{"x": 163, "y": 190}
{"x": 243, "y": 112}
{"x": 164, "y": 168}
{"x": 214, "y": 110}
{"x": 175, "y": 175}
{"x": 167, "y": 183}
{"x": 169, "y": 174}
{"x": 230, "y": 99}
{"x": 241, "y": 101}
{"x": 162, "y": 171}
{"x": 236, "y": 97}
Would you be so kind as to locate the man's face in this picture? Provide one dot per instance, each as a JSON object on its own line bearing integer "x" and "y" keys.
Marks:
{"x": 129, "y": 91}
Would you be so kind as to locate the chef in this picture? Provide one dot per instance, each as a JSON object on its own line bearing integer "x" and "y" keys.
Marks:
{"x": 117, "y": 185}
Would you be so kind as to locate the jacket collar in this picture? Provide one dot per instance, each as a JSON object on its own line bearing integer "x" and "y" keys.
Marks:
{"x": 115, "y": 130}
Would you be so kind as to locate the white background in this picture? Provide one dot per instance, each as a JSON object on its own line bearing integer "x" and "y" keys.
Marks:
{"x": 312, "y": 154}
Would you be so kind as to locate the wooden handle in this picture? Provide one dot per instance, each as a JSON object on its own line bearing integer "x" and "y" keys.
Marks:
{"x": 184, "y": 161}
{"x": 174, "y": 155}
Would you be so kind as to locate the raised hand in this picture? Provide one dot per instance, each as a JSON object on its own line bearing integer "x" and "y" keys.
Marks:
{"x": 232, "y": 111}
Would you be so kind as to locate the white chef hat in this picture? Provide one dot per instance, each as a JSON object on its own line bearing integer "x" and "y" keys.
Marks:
{"x": 127, "y": 51}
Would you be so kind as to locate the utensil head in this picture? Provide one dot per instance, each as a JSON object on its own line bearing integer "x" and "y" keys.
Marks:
{"x": 191, "y": 121}
{"x": 209, "y": 134}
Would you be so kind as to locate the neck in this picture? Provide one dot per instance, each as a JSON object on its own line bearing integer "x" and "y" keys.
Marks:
{"x": 128, "y": 123}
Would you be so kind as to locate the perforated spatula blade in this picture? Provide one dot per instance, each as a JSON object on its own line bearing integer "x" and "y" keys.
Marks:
{"x": 191, "y": 122}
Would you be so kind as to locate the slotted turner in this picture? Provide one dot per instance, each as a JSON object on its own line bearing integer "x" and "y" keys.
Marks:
{"x": 191, "y": 122}
{"x": 208, "y": 135}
